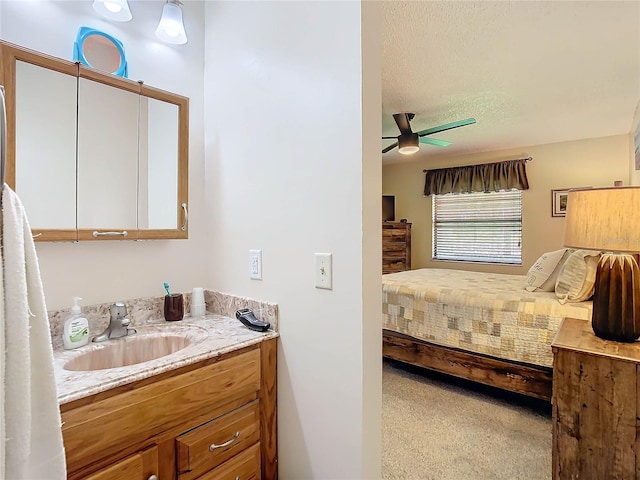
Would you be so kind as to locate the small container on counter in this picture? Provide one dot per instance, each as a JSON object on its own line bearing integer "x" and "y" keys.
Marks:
{"x": 173, "y": 307}
{"x": 198, "y": 307}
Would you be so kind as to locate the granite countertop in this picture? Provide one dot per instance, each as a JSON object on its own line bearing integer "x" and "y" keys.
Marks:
{"x": 210, "y": 336}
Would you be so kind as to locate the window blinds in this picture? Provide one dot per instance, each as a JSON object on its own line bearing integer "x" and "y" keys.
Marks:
{"x": 478, "y": 227}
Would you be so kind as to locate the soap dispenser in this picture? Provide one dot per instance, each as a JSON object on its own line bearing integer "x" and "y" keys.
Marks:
{"x": 76, "y": 328}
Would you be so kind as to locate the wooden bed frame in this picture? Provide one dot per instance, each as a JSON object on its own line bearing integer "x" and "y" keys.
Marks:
{"x": 526, "y": 379}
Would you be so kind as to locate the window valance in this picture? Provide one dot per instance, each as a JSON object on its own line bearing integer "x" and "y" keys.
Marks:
{"x": 487, "y": 177}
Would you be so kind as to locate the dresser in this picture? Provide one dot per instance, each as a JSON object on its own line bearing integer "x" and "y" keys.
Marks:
{"x": 595, "y": 405}
{"x": 396, "y": 247}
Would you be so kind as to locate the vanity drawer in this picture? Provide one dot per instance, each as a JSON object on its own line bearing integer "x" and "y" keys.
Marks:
{"x": 140, "y": 466}
{"x": 244, "y": 466}
{"x": 215, "y": 442}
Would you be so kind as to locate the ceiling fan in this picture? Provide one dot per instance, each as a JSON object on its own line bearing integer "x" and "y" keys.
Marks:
{"x": 409, "y": 141}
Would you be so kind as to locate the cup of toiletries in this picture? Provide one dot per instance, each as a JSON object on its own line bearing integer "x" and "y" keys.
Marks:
{"x": 76, "y": 328}
{"x": 173, "y": 305}
{"x": 198, "y": 307}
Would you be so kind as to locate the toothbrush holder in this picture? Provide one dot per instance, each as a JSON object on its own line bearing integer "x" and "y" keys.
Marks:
{"x": 173, "y": 307}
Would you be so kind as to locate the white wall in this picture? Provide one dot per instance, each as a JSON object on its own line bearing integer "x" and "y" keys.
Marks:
{"x": 371, "y": 239}
{"x": 287, "y": 172}
{"x": 291, "y": 167}
{"x": 108, "y": 271}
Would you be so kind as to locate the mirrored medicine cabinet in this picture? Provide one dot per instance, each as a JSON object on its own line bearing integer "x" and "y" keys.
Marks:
{"x": 93, "y": 156}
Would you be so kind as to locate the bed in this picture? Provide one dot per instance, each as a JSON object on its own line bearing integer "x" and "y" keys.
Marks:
{"x": 479, "y": 326}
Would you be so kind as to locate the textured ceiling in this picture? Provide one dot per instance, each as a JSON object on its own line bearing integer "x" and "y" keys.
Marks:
{"x": 530, "y": 73}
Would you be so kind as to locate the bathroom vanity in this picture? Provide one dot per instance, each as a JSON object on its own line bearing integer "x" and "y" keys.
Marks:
{"x": 206, "y": 411}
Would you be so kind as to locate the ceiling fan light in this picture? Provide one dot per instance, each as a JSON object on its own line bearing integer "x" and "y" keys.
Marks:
{"x": 408, "y": 143}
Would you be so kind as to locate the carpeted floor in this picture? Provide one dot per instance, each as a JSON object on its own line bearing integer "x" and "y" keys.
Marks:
{"x": 438, "y": 429}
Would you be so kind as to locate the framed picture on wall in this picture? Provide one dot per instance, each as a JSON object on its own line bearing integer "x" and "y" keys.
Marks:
{"x": 559, "y": 202}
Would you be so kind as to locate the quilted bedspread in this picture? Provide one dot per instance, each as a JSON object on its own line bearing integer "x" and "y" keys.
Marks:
{"x": 483, "y": 313}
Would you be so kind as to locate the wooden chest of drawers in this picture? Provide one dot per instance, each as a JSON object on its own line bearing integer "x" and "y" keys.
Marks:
{"x": 596, "y": 405}
{"x": 396, "y": 247}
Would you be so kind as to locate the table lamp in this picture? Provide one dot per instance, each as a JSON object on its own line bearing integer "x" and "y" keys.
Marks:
{"x": 608, "y": 219}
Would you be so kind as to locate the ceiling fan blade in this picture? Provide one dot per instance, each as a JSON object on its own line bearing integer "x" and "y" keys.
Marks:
{"x": 402, "y": 120}
{"x": 389, "y": 138}
{"x": 434, "y": 141}
{"x": 447, "y": 126}
{"x": 390, "y": 147}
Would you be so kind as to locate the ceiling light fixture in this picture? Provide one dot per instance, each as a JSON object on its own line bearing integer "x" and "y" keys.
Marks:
{"x": 408, "y": 143}
{"x": 117, "y": 10}
{"x": 171, "y": 28}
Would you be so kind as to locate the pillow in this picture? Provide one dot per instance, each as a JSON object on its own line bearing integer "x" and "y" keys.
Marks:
{"x": 543, "y": 273}
{"x": 577, "y": 278}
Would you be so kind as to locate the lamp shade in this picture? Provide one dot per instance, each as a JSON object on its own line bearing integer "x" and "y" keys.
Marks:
{"x": 117, "y": 10}
{"x": 408, "y": 143}
{"x": 608, "y": 219}
{"x": 171, "y": 28}
{"x": 605, "y": 219}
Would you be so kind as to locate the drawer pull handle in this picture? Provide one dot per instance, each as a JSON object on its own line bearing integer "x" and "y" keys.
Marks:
{"x": 213, "y": 446}
{"x": 97, "y": 234}
{"x": 237, "y": 477}
{"x": 153, "y": 477}
{"x": 186, "y": 217}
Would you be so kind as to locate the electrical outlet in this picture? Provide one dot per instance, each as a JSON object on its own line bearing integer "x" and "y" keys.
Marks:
{"x": 255, "y": 264}
{"x": 324, "y": 271}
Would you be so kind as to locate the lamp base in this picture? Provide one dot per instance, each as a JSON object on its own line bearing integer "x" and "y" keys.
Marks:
{"x": 616, "y": 301}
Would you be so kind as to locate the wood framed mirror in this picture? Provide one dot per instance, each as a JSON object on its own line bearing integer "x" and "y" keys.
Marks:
{"x": 94, "y": 156}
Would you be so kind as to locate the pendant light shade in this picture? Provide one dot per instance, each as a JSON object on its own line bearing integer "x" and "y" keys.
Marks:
{"x": 117, "y": 10}
{"x": 171, "y": 28}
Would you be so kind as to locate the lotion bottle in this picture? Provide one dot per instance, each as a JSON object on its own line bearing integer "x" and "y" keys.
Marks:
{"x": 76, "y": 328}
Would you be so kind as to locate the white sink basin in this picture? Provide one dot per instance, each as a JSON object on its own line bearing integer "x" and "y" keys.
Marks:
{"x": 128, "y": 351}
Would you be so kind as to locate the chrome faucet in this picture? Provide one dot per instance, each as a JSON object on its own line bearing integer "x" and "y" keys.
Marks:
{"x": 118, "y": 324}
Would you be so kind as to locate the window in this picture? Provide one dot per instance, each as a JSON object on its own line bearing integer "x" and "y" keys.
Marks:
{"x": 478, "y": 227}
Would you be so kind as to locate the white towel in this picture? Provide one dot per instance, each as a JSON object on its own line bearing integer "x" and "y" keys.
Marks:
{"x": 2, "y": 368}
{"x": 33, "y": 436}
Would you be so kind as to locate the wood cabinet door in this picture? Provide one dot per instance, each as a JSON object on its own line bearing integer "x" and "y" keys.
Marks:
{"x": 139, "y": 466}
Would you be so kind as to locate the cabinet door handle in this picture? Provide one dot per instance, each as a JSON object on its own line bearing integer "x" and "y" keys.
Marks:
{"x": 153, "y": 477}
{"x": 96, "y": 233}
{"x": 213, "y": 446}
{"x": 186, "y": 218}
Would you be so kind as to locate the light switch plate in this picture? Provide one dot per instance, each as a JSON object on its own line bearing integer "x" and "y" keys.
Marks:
{"x": 324, "y": 273}
{"x": 255, "y": 264}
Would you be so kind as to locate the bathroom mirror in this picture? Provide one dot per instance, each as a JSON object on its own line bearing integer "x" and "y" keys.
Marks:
{"x": 158, "y": 163}
{"x": 46, "y": 116}
{"x": 107, "y": 156}
{"x": 45, "y": 178}
{"x": 94, "y": 156}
